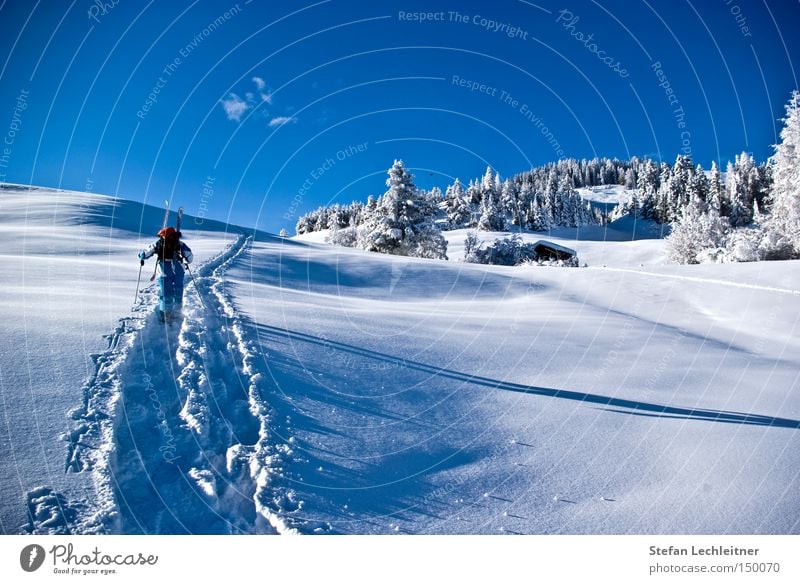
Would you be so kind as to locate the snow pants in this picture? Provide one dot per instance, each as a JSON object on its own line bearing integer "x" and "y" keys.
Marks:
{"x": 170, "y": 287}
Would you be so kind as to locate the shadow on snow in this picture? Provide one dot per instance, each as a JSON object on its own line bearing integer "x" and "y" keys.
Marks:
{"x": 615, "y": 404}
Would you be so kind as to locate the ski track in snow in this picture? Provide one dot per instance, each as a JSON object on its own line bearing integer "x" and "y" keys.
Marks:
{"x": 254, "y": 456}
{"x": 174, "y": 428}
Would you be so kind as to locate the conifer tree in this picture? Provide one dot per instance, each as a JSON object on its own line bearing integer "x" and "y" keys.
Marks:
{"x": 784, "y": 222}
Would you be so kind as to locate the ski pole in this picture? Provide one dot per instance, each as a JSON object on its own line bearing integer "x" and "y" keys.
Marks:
{"x": 203, "y": 304}
{"x": 138, "y": 281}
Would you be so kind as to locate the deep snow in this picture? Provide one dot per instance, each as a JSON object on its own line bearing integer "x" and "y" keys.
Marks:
{"x": 326, "y": 390}
{"x": 535, "y": 400}
{"x": 68, "y": 273}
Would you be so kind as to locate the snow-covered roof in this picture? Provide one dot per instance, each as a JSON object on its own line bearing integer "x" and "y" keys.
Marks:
{"x": 555, "y": 246}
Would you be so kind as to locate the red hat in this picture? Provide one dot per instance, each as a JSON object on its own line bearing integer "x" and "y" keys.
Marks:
{"x": 167, "y": 232}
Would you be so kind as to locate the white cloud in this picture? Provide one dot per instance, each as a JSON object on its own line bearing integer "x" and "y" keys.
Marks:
{"x": 265, "y": 96}
{"x": 234, "y": 107}
{"x": 281, "y": 120}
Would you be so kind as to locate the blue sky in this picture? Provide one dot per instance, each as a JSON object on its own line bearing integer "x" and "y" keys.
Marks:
{"x": 256, "y": 112}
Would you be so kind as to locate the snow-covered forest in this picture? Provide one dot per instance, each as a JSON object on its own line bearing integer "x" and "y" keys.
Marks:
{"x": 754, "y": 215}
{"x": 748, "y": 212}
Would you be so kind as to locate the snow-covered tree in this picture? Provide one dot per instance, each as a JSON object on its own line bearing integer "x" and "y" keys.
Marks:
{"x": 743, "y": 245}
{"x": 472, "y": 248}
{"x": 456, "y": 206}
{"x": 346, "y": 236}
{"x": 630, "y": 179}
{"x": 717, "y": 198}
{"x": 551, "y": 203}
{"x": 573, "y": 211}
{"x": 741, "y": 205}
{"x": 698, "y": 185}
{"x": 647, "y": 185}
{"x": 304, "y": 225}
{"x": 762, "y": 193}
{"x": 680, "y": 179}
{"x": 491, "y": 215}
{"x": 356, "y": 211}
{"x": 664, "y": 195}
{"x": 510, "y": 203}
{"x": 697, "y": 230}
{"x": 538, "y": 218}
{"x": 507, "y": 251}
{"x": 383, "y": 229}
{"x": 491, "y": 218}
{"x": 784, "y": 222}
{"x": 338, "y": 217}
{"x": 609, "y": 174}
{"x": 402, "y": 222}
{"x": 488, "y": 182}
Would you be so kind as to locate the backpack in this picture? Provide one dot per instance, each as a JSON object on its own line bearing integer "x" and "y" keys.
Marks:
{"x": 168, "y": 245}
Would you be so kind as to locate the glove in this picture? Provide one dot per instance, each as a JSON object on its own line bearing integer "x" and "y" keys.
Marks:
{"x": 141, "y": 256}
{"x": 141, "y": 262}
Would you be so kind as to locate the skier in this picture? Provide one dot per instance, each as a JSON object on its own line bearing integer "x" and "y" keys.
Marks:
{"x": 171, "y": 253}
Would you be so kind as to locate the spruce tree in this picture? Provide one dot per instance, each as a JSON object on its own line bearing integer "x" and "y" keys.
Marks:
{"x": 402, "y": 222}
{"x": 456, "y": 206}
{"x": 741, "y": 205}
{"x": 716, "y": 191}
{"x": 784, "y": 222}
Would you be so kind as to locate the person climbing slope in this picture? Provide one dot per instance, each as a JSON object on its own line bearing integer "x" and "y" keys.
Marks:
{"x": 171, "y": 252}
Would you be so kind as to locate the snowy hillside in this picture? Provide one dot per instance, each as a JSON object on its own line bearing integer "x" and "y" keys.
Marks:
{"x": 616, "y": 194}
{"x": 318, "y": 389}
{"x": 69, "y": 271}
{"x": 624, "y": 242}
{"x": 596, "y": 246}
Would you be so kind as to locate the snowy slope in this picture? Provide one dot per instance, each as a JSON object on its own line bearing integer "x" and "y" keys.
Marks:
{"x": 612, "y": 194}
{"x": 625, "y": 242}
{"x": 315, "y": 389}
{"x": 68, "y": 273}
{"x": 436, "y": 397}
{"x": 610, "y": 245}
